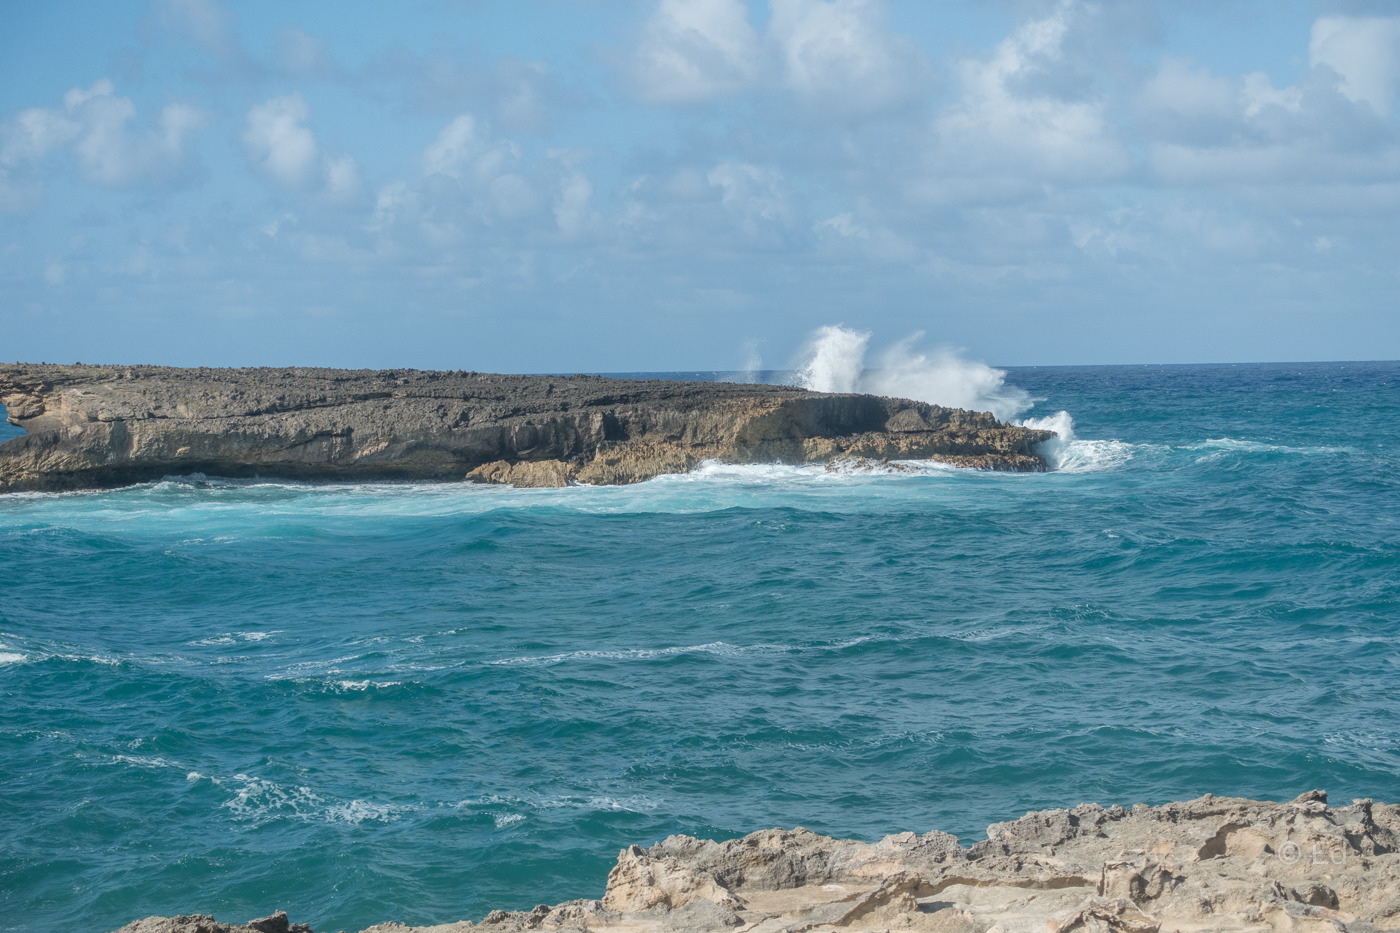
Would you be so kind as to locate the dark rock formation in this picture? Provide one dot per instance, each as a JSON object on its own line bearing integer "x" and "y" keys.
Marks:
{"x": 1210, "y": 864}
{"x": 101, "y": 426}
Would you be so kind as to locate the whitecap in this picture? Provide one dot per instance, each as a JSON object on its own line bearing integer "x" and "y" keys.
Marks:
{"x": 233, "y": 638}
{"x": 358, "y": 811}
{"x": 716, "y": 648}
{"x": 141, "y": 761}
{"x": 635, "y": 804}
{"x": 362, "y": 685}
{"x": 12, "y": 657}
{"x": 259, "y": 800}
{"x": 1225, "y": 445}
{"x": 719, "y": 648}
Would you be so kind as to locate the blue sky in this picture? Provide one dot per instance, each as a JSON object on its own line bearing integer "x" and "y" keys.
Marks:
{"x": 673, "y": 184}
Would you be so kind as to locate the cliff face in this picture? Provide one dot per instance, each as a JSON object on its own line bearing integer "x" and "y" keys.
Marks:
{"x": 1211, "y": 864}
{"x": 100, "y": 426}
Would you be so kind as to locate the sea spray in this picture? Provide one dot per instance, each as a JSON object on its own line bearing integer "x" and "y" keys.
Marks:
{"x": 753, "y": 362}
{"x": 833, "y": 360}
{"x": 1056, "y": 451}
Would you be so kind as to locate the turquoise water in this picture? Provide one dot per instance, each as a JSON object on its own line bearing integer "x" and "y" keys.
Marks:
{"x": 420, "y": 702}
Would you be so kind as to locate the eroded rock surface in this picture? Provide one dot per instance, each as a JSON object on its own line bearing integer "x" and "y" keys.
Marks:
{"x": 99, "y": 426}
{"x": 1211, "y": 864}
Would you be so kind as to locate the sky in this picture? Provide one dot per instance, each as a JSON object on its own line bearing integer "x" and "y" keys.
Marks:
{"x": 646, "y": 185}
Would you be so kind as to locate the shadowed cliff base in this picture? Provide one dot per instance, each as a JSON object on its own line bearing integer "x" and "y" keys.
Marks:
{"x": 103, "y": 426}
{"x": 1210, "y": 864}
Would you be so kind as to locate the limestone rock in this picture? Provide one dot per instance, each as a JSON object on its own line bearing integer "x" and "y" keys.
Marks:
{"x": 199, "y": 923}
{"x": 102, "y": 426}
{"x": 1226, "y": 865}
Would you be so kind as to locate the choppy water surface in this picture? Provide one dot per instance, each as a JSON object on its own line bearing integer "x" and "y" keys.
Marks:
{"x": 419, "y": 702}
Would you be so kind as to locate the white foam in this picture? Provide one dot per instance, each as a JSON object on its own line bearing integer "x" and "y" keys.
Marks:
{"x": 94, "y": 658}
{"x": 358, "y": 811}
{"x": 1067, "y": 453}
{"x": 1222, "y": 447}
{"x": 260, "y": 800}
{"x": 716, "y": 648}
{"x": 838, "y": 471}
{"x": 233, "y": 638}
{"x": 719, "y": 648}
{"x": 361, "y": 685}
{"x": 508, "y": 815}
{"x": 12, "y": 657}
{"x": 144, "y": 762}
{"x": 636, "y": 804}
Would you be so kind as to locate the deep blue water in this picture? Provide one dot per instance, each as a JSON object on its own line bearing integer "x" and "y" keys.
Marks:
{"x": 420, "y": 702}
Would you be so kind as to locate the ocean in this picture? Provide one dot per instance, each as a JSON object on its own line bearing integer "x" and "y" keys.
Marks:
{"x": 420, "y": 702}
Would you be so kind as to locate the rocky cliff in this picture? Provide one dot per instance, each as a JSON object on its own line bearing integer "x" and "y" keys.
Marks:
{"x": 101, "y": 426}
{"x": 1211, "y": 864}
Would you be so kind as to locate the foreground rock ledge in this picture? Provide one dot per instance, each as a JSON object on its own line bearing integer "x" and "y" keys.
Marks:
{"x": 104, "y": 426}
{"x": 1211, "y": 864}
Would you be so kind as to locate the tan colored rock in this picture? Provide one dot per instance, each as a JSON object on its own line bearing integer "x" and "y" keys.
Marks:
{"x": 536, "y": 474}
{"x": 1211, "y": 865}
{"x": 200, "y": 923}
{"x": 638, "y": 882}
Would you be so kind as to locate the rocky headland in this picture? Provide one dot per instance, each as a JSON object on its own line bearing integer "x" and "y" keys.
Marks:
{"x": 103, "y": 426}
{"x": 1210, "y": 864}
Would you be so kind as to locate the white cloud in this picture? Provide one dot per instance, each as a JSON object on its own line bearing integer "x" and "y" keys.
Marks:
{"x": 33, "y": 133}
{"x": 278, "y": 143}
{"x": 1365, "y": 52}
{"x": 1259, "y": 94}
{"x": 875, "y": 242}
{"x": 841, "y": 54}
{"x": 844, "y": 225}
{"x": 1187, "y": 103}
{"x": 572, "y": 206}
{"x": 395, "y": 203}
{"x": 1203, "y": 128}
{"x": 207, "y": 26}
{"x": 94, "y": 123}
{"x": 512, "y": 196}
{"x": 475, "y": 188}
{"x": 463, "y": 150}
{"x": 1005, "y": 123}
{"x": 281, "y": 147}
{"x": 1189, "y": 91}
{"x": 301, "y": 54}
{"x": 695, "y": 50}
{"x": 27, "y": 137}
{"x": 753, "y": 194}
{"x": 343, "y": 182}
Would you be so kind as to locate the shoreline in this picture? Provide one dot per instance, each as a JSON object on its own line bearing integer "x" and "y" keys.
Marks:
{"x": 91, "y": 427}
{"x": 1213, "y": 863}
